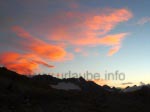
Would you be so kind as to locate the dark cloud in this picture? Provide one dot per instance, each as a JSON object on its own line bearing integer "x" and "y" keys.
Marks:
{"x": 127, "y": 83}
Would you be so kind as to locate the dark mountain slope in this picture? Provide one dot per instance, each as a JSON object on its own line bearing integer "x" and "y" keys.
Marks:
{"x": 23, "y": 94}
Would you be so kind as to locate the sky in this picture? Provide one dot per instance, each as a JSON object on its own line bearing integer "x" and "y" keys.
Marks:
{"x": 57, "y": 36}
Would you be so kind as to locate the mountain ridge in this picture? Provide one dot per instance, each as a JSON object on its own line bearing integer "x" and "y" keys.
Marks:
{"x": 34, "y": 94}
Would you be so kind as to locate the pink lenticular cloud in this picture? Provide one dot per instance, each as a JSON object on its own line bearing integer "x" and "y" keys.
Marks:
{"x": 90, "y": 29}
{"x": 40, "y": 47}
{"x": 22, "y": 63}
{"x": 106, "y": 22}
{"x": 35, "y": 52}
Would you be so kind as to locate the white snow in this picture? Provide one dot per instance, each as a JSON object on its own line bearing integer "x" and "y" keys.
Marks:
{"x": 66, "y": 86}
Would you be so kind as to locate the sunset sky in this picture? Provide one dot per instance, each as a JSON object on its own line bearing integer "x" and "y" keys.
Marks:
{"x": 45, "y": 36}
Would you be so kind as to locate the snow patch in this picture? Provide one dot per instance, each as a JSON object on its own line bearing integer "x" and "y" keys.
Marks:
{"x": 66, "y": 86}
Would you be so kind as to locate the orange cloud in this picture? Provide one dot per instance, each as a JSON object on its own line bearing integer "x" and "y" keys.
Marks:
{"x": 113, "y": 50}
{"x": 22, "y": 63}
{"x": 14, "y": 61}
{"x": 108, "y": 40}
{"x": 39, "y": 47}
{"x": 114, "y": 41}
{"x": 78, "y": 50}
{"x": 43, "y": 63}
{"x": 107, "y": 22}
{"x": 90, "y": 30}
{"x": 35, "y": 51}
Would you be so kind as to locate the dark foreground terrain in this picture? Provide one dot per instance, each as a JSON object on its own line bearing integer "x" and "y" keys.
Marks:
{"x": 22, "y": 94}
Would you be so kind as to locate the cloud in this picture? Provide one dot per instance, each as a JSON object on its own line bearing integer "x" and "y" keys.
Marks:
{"x": 17, "y": 62}
{"x": 108, "y": 40}
{"x": 106, "y": 22}
{"x": 78, "y": 50}
{"x": 33, "y": 53}
{"x": 22, "y": 63}
{"x": 90, "y": 29}
{"x": 113, "y": 50}
{"x": 127, "y": 83}
{"x": 43, "y": 63}
{"x": 143, "y": 21}
{"x": 39, "y": 47}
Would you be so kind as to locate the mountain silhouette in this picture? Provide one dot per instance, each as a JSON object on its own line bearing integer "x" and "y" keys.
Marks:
{"x": 44, "y": 93}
